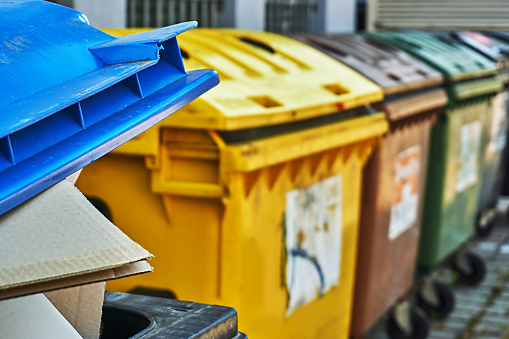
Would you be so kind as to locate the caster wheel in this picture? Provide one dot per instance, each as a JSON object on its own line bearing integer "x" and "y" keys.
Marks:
{"x": 483, "y": 228}
{"x": 475, "y": 271}
{"x": 101, "y": 206}
{"x": 445, "y": 301}
{"x": 419, "y": 328}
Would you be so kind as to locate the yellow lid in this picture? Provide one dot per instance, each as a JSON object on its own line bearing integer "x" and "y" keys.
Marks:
{"x": 266, "y": 79}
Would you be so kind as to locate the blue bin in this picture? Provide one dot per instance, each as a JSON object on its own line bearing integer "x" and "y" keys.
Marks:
{"x": 71, "y": 93}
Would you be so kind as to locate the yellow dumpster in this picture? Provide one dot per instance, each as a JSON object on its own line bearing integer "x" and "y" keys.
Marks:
{"x": 250, "y": 195}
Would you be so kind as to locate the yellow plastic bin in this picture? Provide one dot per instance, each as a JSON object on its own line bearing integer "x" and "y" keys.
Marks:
{"x": 250, "y": 195}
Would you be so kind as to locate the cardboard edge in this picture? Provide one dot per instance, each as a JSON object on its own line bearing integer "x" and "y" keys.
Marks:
{"x": 128, "y": 270}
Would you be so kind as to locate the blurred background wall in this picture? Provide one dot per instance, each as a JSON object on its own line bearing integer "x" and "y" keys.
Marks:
{"x": 298, "y": 16}
{"x": 282, "y": 16}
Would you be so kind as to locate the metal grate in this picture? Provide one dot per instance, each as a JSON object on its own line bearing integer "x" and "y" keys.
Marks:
{"x": 158, "y": 13}
{"x": 290, "y": 16}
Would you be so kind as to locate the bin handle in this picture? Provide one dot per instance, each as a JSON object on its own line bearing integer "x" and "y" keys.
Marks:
{"x": 447, "y": 41}
{"x": 258, "y": 44}
{"x": 407, "y": 43}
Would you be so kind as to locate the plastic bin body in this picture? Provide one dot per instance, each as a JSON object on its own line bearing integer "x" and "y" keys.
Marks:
{"x": 70, "y": 93}
{"x": 495, "y": 45}
{"x": 450, "y": 207}
{"x": 501, "y": 40}
{"x": 493, "y": 169}
{"x": 219, "y": 204}
{"x": 493, "y": 163}
{"x": 457, "y": 141}
{"x": 387, "y": 246}
{"x": 390, "y": 214}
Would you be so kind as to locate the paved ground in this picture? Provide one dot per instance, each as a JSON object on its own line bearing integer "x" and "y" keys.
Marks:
{"x": 481, "y": 312}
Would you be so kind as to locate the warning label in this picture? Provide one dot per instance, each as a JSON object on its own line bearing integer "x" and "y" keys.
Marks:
{"x": 406, "y": 200}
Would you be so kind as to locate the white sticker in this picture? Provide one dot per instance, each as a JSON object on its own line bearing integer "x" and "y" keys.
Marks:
{"x": 406, "y": 190}
{"x": 313, "y": 222}
{"x": 499, "y": 123}
{"x": 470, "y": 146}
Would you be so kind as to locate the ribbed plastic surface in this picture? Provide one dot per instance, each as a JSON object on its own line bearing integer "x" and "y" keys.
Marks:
{"x": 393, "y": 69}
{"x": 455, "y": 60}
{"x": 266, "y": 79}
{"x": 491, "y": 47}
{"x": 71, "y": 93}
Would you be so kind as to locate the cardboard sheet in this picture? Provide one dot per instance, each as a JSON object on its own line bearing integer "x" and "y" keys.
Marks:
{"x": 81, "y": 306}
{"x": 33, "y": 317}
{"x": 58, "y": 239}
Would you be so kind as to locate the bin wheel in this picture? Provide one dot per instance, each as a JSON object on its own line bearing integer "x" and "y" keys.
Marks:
{"x": 420, "y": 325}
{"x": 482, "y": 231}
{"x": 477, "y": 269}
{"x": 446, "y": 301}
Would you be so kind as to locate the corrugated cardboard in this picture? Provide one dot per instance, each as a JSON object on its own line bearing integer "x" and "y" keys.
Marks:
{"x": 33, "y": 317}
{"x": 81, "y": 306}
{"x": 58, "y": 239}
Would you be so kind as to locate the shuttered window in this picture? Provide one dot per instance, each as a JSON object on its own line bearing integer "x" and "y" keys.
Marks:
{"x": 290, "y": 16}
{"x": 456, "y": 14}
{"x": 157, "y": 13}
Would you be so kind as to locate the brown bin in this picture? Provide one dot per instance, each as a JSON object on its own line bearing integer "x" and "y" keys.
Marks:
{"x": 394, "y": 178}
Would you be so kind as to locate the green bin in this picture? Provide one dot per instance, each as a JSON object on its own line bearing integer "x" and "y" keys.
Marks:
{"x": 458, "y": 141}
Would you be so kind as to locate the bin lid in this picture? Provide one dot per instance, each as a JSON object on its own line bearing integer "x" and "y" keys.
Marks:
{"x": 455, "y": 60}
{"x": 71, "y": 93}
{"x": 495, "y": 49}
{"x": 266, "y": 79}
{"x": 393, "y": 69}
{"x": 501, "y": 35}
{"x": 490, "y": 44}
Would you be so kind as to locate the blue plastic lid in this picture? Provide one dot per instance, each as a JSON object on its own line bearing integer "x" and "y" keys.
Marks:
{"x": 490, "y": 47}
{"x": 70, "y": 93}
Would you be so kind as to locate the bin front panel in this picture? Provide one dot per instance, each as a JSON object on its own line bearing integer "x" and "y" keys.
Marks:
{"x": 453, "y": 59}
{"x": 454, "y": 173}
{"x": 266, "y": 79}
{"x": 235, "y": 248}
{"x": 394, "y": 70}
{"x": 495, "y": 143}
{"x": 393, "y": 192}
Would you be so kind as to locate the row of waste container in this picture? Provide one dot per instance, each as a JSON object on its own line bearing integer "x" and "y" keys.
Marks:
{"x": 321, "y": 184}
